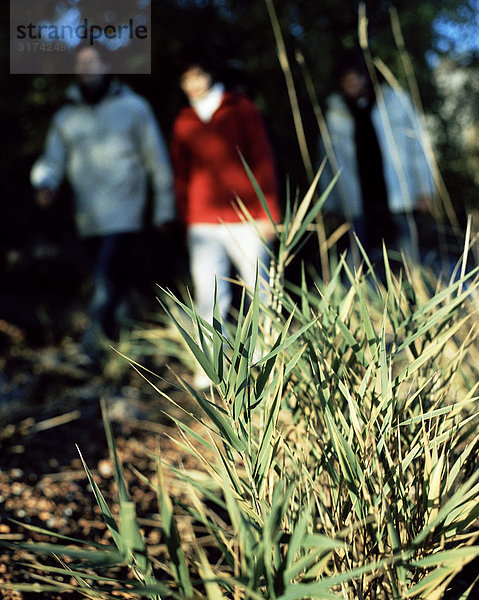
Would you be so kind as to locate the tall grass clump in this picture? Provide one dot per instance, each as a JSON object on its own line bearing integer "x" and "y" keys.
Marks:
{"x": 340, "y": 464}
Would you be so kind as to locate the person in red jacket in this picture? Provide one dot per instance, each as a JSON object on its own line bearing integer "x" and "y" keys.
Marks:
{"x": 209, "y": 138}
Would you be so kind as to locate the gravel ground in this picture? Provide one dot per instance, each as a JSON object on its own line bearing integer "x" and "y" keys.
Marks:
{"x": 48, "y": 407}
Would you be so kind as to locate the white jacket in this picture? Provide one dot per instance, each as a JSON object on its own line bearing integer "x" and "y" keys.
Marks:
{"x": 107, "y": 151}
{"x": 406, "y": 169}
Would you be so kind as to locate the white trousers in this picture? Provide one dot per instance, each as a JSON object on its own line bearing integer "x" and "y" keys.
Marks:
{"x": 212, "y": 249}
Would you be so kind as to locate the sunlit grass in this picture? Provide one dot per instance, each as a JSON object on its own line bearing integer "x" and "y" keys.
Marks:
{"x": 342, "y": 464}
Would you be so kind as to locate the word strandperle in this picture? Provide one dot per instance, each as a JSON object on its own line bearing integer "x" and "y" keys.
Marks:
{"x": 84, "y": 31}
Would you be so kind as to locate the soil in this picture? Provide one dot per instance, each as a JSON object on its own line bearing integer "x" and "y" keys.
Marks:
{"x": 49, "y": 410}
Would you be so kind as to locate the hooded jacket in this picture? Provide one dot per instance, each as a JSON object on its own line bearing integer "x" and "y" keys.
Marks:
{"x": 107, "y": 151}
{"x": 406, "y": 169}
{"x": 209, "y": 173}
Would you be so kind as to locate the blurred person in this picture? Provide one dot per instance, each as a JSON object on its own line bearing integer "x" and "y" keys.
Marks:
{"x": 209, "y": 137}
{"x": 106, "y": 142}
{"x": 377, "y": 144}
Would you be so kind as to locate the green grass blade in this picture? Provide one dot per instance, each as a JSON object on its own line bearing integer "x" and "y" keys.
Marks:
{"x": 104, "y": 508}
{"x": 172, "y": 538}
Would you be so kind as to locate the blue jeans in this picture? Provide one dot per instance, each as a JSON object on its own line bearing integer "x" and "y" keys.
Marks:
{"x": 110, "y": 259}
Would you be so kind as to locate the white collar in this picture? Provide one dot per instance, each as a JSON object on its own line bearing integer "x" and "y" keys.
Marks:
{"x": 206, "y": 107}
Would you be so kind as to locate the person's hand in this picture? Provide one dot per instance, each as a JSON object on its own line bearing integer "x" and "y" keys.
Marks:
{"x": 162, "y": 228}
{"x": 171, "y": 230}
{"x": 44, "y": 197}
{"x": 424, "y": 204}
{"x": 166, "y": 227}
{"x": 266, "y": 230}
